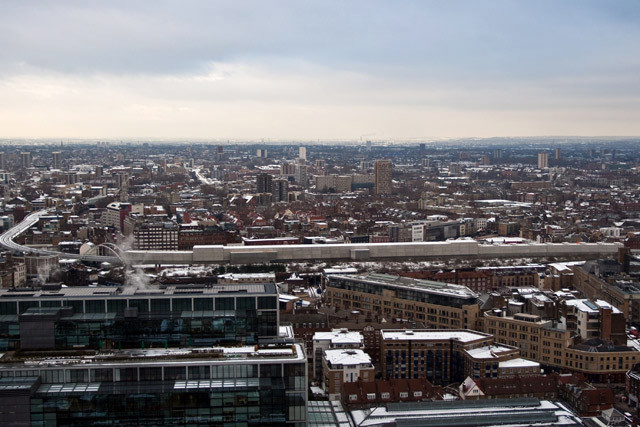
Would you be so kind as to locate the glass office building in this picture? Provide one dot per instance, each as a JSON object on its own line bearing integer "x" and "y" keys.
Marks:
{"x": 175, "y": 356}
{"x": 236, "y": 386}
{"x": 113, "y": 317}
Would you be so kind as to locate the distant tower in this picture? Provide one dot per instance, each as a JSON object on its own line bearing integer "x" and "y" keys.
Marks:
{"x": 301, "y": 175}
{"x": 99, "y": 171}
{"x": 497, "y": 153}
{"x": 368, "y": 145}
{"x": 3, "y": 161}
{"x": 302, "y": 153}
{"x": 264, "y": 183}
{"x": 557, "y": 153}
{"x": 25, "y": 156}
{"x": 122, "y": 180}
{"x": 543, "y": 160}
{"x": 56, "y": 159}
{"x": 287, "y": 169}
{"x": 423, "y": 147}
{"x": 281, "y": 190}
{"x": 382, "y": 171}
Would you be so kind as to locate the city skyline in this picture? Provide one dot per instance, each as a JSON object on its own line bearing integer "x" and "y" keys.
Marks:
{"x": 325, "y": 71}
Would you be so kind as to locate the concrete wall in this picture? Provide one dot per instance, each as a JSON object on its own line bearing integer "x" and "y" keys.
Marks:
{"x": 371, "y": 251}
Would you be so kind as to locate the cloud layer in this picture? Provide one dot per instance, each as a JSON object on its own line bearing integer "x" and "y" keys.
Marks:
{"x": 319, "y": 70}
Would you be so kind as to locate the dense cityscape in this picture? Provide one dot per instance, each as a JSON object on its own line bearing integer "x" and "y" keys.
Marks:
{"x": 463, "y": 282}
{"x": 356, "y": 213}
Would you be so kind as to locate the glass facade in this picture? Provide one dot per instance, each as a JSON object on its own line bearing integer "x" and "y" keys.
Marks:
{"x": 169, "y": 357}
{"x": 256, "y": 401}
{"x": 166, "y": 392}
{"x": 157, "y": 322}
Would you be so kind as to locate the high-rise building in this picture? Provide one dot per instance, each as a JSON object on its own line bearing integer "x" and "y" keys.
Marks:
{"x": 99, "y": 170}
{"x": 25, "y": 157}
{"x": 287, "y": 169}
{"x": 497, "y": 153}
{"x": 3, "y": 161}
{"x": 264, "y": 183}
{"x": 302, "y": 153}
{"x": 368, "y": 145}
{"x": 281, "y": 190}
{"x": 301, "y": 175}
{"x": 56, "y": 159}
{"x": 558, "y": 153}
{"x": 543, "y": 160}
{"x": 383, "y": 170}
{"x": 71, "y": 178}
{"x": 121, "y": 179}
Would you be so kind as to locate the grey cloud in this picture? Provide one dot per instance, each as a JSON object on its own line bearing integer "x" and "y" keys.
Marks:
{"x": 460, "y": 39}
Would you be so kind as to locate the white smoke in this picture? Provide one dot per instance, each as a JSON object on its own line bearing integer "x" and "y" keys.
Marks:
{"x": 45, "y": 268}
{"x": 134, "y": 276}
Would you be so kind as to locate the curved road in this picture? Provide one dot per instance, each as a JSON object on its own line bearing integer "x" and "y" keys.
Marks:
{"x": 6, "y": 241}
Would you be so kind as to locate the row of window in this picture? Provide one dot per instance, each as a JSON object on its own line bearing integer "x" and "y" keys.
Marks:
{"x": 144, "y": 305}
{"x": 293, "y": 373}
{"x": 385, "y": 395}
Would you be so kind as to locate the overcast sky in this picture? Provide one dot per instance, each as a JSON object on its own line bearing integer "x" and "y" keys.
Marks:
{"x": 309, "y": 70}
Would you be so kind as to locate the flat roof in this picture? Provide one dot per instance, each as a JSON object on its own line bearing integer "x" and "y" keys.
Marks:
{"x": 241, "y": 276}
{"x": 132, "y": 291}
{"x": 338, "y": 270}
{"x": 154, "y": 357}
{"x": 339, "y": 336}
{"x": 489, "y": 351}
{"x": 518, "y": 363}
{"x": 347, "y": 357}
{"x": 428, "y": 286}
{"x": 591, "y": 306}
{"x": 433, "y": 335}
{"x": 489, "y": 412}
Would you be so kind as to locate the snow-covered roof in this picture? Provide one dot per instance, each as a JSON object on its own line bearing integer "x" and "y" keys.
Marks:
{"x": 518, "y": 363}
{"x": 339, "y": 336}
{"x": 241, "y": 276}
{"x": 463, "y": 336}
{"x": 348, "y": 357}
{"x": 338, "y": 270}
{"x": 591, "y": 306}
{"x": 565, "y": 266}
{"x": 522, "y": 412}
{"x": 489, "y": 351}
